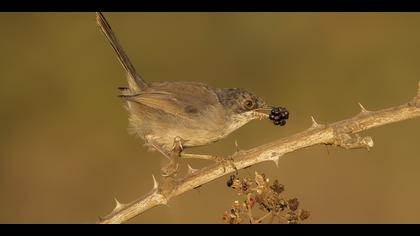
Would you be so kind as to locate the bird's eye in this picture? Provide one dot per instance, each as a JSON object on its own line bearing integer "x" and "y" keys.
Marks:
{"x": 249, "y": 104}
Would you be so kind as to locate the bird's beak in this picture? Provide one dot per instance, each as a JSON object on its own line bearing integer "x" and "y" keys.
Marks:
{"x": 261, "y": 113}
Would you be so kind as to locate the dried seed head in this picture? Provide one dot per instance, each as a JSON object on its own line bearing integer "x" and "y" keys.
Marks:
{"x": 258, "y": 195}
{"x": 293, "y": 204}
{"x": 226, "y": 217}
{"x": 277, "y": 187}
{"x": 304, "y": 214}
{"x": 290, "y": 216}
{"x": 251, "y": 200}
{"x": 260, "y": 179}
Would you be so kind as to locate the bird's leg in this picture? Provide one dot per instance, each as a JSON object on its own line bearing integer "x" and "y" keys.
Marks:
{"x": 218, "y": 159}
{"x": 172, "y": 168}
{"x": 173, "y": 155}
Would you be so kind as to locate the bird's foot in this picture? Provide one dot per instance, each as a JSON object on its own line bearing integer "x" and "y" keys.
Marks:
{"x": 171, "y": 169}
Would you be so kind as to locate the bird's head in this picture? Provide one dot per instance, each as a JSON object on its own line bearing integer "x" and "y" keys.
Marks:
{"x": 241, "y": 106}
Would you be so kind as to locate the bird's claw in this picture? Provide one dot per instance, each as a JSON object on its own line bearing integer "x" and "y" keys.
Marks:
{"x": 171, "y": 169}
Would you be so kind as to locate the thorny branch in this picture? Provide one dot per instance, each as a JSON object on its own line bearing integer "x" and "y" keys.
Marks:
{"x": 342, "y": 133}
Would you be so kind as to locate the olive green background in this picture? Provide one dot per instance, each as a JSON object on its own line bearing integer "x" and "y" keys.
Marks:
{"x": 64, "y": 148}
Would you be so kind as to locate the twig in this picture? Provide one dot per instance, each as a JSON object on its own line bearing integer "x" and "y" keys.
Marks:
{"x": 258, "y": 221}
{"x": 342, "y": 133}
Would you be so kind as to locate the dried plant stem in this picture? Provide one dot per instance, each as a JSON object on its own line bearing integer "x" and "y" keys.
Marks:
{"x": 258, "y": 221}
{"x": 342, "y": 133}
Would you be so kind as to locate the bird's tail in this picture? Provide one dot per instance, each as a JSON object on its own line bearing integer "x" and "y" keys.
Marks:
{"x": 135, "y": 82}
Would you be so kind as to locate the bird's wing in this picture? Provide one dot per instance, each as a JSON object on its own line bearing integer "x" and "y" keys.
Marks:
{"x": 182, "y": 99}
{"x": 163, "y": 101}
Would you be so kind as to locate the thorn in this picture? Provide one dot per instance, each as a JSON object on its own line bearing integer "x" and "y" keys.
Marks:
{"x": 118, "y": 205}
{"x": 362, "y": 107}
{"x": 155, "y": 184}
{"x": 276, "y": 161}
{"x": 191, "y": 170}
{"x": 314, "y": 123}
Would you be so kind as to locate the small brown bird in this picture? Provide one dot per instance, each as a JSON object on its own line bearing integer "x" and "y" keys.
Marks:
{"x": 171, "y": 116}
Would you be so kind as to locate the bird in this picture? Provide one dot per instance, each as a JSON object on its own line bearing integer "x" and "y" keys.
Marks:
{"x": 171, "y": 116}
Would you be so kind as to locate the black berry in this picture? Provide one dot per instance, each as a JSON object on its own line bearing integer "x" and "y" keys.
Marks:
{"x": 275, "y": 111}
{"x": 279, "y": 115}
{"x": 229, "y": 183}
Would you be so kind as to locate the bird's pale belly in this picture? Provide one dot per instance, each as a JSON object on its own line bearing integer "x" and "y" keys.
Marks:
{"x": 190, "y": 137}
{"x": 163, "y": 133}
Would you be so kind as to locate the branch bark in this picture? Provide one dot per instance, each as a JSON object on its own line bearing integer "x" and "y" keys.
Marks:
{"x": 342, "y": 133}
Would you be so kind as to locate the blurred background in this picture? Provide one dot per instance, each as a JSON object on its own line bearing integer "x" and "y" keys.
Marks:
{"x": 64, "y": 148}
